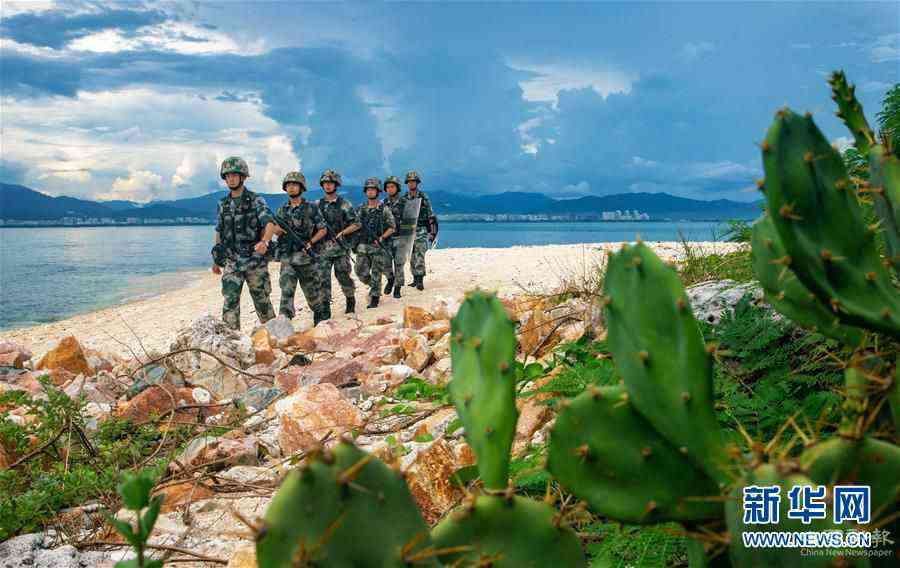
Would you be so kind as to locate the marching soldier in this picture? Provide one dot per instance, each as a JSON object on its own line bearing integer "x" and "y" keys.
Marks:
{"x": 340, "y": 220}
{"x": 396, "y": 246}
{"x": 299, "y": 228}
{"x": 426, "y": 229}
{"x": 244, "y": 231}
{"x": 377, "y": 225}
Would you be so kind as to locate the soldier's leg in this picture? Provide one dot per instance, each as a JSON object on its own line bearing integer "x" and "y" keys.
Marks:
{"x": 260, "y": 286}
{"x": 325, "y": 278}
{"x": 342, "y": 269}
{"x": 380, "y": 262}
{"x": 399, "y": 261}
{"x": 309, "y": 283}
{"x": 417, "y": 260}
{"x": 389, "y": 267}
{"x": 364, "y": 267}
{"x": 232, "y": 284}
{"x": 287, "y": 281}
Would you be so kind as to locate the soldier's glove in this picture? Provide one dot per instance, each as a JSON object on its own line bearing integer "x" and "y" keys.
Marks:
{"x": 218, "y": 254}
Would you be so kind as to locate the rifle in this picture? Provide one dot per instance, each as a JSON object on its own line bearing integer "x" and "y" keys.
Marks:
{"x": 292, "y": 235}
{"x": 339, "y": 242}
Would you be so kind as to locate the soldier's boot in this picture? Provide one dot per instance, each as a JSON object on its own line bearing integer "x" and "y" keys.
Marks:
{"x": 420, "y": 282}
{"x": 413, "y": 283}
{"x": 396, "y": 291}
{"x": 351, "y": 305}
{"x": 389, "y": 286}
{"x": 373, "y": 302}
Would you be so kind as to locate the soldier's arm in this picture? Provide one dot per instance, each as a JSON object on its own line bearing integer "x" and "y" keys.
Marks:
{"x": 389, "y": 222}
{"x": 319, "y": 223}
{"x": 351, "y": 220}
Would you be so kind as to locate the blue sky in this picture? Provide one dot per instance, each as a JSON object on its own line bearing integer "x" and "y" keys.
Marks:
{"x": 142, "y": 101}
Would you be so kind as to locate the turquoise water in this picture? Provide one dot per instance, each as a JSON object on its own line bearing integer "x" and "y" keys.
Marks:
{"x": 47, "y": 274}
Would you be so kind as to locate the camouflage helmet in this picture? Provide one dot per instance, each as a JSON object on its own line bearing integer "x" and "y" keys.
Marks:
{"x": 413, "y": 175}
{"x": 234, "y": 165}
{"x": 372, "y": 182}
{"x": 330, "y": 175}
{"x": 394, "y": 180}
{"x": 294, "y": 177}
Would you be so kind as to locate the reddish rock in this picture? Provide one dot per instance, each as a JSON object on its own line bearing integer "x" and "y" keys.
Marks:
{"x": 532, "y": 416}
{"x": 100, "y": 361}
{"x": 243, "y": 556}
{"x": 430, "y": 479}
{"x": 223, "y": 451}
{"x": 389, "y": 354}
{"x": 262, "y": 345}
{"x": 418, "y": 352}
{"x": 436, "y": 330}
{"x": 14, "y": 359}
{"x": 415, "y": 317}
{"x": 303, "y": 341}
{"x": 67, "y": 355}
{"x": 181, "y": 494}
{"x": 312, "y": 412}
{"x": 158, "y": 400}
{"x": 337, "y": 371}
{"x": 535, "y": 325}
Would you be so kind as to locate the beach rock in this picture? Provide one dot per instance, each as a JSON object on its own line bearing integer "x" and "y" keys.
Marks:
{"x": 400, "y": 373}
{"x": 247, "y": 474}
{"x": 13, "y": 347}
{"x": 259, "y": 397}
{"x": 532, "y": 416}
{"x": 415, "y": 317}
{"x": 293, "y": 377}
{"x": 220, "y": 381}
{"x": 262, "y": 345}
{"x": 222, "y": 451}
{"x": 100, "y": 361}
{"x": 82, "y": 386}
{"x": 337, "y": 371}
{"x": 68, "y": 355}
{"x": 430, "y": 480}
{"x": 201, "y": 395}
{"x": 243, "y": 556}
{"x": 436, "y": 330}
{"x": 335, "y": 334}
{"x": 14, "y": 359}
{"x": 309, "y": 414}
{"x": 303, "y": 341}
{"x": 536, "y": 330}
{"x": 441, "y": 347}
{"x": 149, "y": 375}
{"x": 34, "y": 551}
{"x": 389, "y": 354}
{"x": 711, "y": 299}
{"x": 439, "y": 373}
{"x": 158, "y": 400}
{"x": 279, "y": 328}
{"x": 4, "y": 458}
{"x": 211, "y": 334}
{"x": 445, "y": 308}
{"x": 23, "y": 380}
{"x": 181, "y": 494}
{"x": 418, "y": 352}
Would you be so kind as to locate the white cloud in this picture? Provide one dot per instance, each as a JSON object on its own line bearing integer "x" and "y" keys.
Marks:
{"x": 886, "y": 48}
{"x": 13, "y": 7}
{"x": 841, "y": 143}
{"x": 141, "y": 186}
{"x": 180, "y": 37}
{"x": 553, "y": 78}
{"x": 643, "y": 163}
{"x": 691, "y": 51}
{"x": 280, "y": 159}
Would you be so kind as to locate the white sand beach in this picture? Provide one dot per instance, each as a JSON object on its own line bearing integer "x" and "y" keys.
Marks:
{"x": 150, "y": 324}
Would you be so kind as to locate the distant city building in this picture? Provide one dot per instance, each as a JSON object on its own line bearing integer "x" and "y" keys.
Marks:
{"x": 627, "y": 215}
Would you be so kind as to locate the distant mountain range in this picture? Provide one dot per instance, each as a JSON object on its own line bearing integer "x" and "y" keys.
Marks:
{"x": 21, "y": 203}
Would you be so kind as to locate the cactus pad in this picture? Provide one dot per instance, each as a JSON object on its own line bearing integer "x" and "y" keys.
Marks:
{"x": 483, "y": 389}
{"x": 344, "y": 508}
{"x": 659, "y": 351}
{"x": 512, "y": 532}
{"x": 884, "y": 169}
{"x": 603, "y": 451}
{"x": 786, "y": 293}
{"x": 851, "y": 112}
{"x": 821, "y": 227}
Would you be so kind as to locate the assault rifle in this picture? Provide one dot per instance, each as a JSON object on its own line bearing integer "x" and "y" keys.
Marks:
{"x": 292, "y": 235}
{"x": 338, "y": 241}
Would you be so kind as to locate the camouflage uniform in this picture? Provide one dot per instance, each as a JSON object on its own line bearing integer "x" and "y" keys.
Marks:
{"x": 337, "y": 215}
{"x": 421, "y": 243}
{"x": 373, "y": 260}
{"x": 296, "y": 265}
{"x": 395, "y": 244}
{"x": 241, "y": 223}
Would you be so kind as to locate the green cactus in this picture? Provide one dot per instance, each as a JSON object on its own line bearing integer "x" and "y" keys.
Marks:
{"x": 483, "y": 388}
{"x": 819, "y": 222}
{"x": 884, "y": 172}
{"x": 659, "y": 351}
{"x": 851, "y": 112}
{"x": 786, "y": 293}
{"x": 605, "y": 453}
{"x": 344, "y": 508}
{"x": 507, "y": 532}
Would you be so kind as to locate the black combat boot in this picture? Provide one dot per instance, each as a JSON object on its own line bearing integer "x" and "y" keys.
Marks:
{"x": 389, "y": 286}
{"x": 396, "y": 291}
{"x": 420, "y": 282}
{"x": 351, "y": 305}
{"x": 373, "y": 302}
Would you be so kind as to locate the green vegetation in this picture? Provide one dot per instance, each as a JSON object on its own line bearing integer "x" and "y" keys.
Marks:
{"x": 135, "y": 491}
{"x": 58, "y": 463}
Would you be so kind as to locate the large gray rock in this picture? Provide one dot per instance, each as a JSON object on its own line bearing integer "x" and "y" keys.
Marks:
{"x": 280, "y": 328}
{"x": 211, "y": 334}
{"x": 32, "y": 550}
{"x": 710, "y": 299}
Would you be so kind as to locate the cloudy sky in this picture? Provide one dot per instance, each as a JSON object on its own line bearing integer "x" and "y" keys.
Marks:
{"x": 142, "y": 101}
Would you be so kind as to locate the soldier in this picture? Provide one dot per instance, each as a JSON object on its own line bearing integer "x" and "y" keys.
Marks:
{"x": 244, "y": 231}
{"x": 426, "y": 229}
{"x": 396, "y": 246}
{"x": 300, "y": 227}
{"x": 377, "y": 225}
{"x": 340, "y": 220}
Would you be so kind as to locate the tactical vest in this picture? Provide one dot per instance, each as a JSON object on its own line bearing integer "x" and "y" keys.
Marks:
{"x": 333, "y": 214}
{"x": 422, "y": 221}
{"x": 299, "y": 219}
{"x": 397, "y": 206}
{"x": 241, "y": 228}
{"x": 372, "y": 221}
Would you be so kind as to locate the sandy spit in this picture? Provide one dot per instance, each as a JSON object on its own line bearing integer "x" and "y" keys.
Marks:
{"x": 150, "y": 324}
